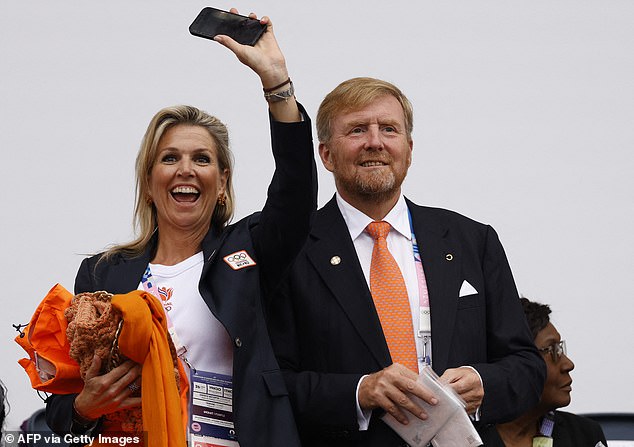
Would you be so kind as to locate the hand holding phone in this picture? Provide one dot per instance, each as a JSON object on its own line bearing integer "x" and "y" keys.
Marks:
{"x": 212, "y": 22}
{"x": 240, "y": 34}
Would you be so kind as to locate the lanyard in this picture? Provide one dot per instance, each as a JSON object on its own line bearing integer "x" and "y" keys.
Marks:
{"x": 424, "y": 320}
{"x": 548, "y": 424}
{"x": 149, "y": 285}
{"x": 544, "y": 439}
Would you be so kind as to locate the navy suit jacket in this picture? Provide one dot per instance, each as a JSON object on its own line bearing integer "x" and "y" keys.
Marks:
{"x": 326, "y": 332}
{"x": 262, "y": 411}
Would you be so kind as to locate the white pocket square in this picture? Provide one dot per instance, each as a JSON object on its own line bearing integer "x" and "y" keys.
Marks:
{"x": 466, "y": 289}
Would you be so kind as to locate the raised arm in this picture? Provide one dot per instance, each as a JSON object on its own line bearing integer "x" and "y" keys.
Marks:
{"x": 292, "y": 194}
{"x": 514, "y": 373}
{"x": 267, "y": 61}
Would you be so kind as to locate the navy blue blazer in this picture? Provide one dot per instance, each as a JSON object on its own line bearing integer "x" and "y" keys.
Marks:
{"x": 326, "y": 332}
{"x": 570, "y": 431}
{"x": 262, "y": 411}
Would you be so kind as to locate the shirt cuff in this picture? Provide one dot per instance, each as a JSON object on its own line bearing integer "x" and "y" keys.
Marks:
{"x": 363, "y": 416}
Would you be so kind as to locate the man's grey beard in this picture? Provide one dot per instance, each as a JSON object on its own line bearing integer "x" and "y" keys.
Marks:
{"x": 378, "y": 183}
{"x": 376, "y": 188}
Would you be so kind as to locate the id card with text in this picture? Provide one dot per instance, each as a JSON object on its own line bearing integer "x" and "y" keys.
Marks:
{"x": 211, "y": 410}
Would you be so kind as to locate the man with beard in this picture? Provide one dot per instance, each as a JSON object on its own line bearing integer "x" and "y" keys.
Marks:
{"x": 384, "y": 287}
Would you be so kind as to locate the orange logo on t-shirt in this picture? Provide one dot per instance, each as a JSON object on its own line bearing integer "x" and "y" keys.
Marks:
{"x": 165, "y": 293}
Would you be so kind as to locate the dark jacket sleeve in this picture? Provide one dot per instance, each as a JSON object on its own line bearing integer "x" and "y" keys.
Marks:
{"x": 292, "y": 198}
{"x": 59, "y": 410}
{"x": 514, "y": 372}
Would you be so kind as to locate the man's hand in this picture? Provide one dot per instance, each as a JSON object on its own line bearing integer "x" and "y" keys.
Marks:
{"x": 388, "y": 389}
{"x": 466, "y": 382}
{"x": 108, "y": 392}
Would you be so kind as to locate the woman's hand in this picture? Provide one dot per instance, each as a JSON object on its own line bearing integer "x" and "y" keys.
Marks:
{"x": 103, "y": 394}
{"x": 267, "y": 60}
{"x": 265, "y": 57}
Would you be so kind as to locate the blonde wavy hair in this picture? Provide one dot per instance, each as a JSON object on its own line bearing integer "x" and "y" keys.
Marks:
{"x": 145, "y": 220}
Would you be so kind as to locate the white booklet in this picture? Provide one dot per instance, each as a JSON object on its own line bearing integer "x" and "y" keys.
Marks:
{"x": 447, "y": 424}
{"x": 457, "y": 432}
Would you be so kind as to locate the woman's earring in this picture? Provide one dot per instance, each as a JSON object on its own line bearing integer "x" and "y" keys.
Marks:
{"x": 222, "y": 199}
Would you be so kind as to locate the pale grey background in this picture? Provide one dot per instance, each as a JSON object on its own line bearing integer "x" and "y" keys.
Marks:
{"x": 524, "y": 118}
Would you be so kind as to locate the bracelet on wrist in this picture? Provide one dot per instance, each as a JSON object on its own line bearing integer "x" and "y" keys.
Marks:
{"x": 282, "y": 95}
{"x": 269, "y": 90}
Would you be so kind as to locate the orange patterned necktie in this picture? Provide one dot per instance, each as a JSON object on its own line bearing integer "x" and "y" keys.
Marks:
{"x": 390, "y": 299}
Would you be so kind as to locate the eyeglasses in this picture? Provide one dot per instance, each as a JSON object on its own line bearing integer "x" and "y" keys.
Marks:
{"x": 556, "y": 350}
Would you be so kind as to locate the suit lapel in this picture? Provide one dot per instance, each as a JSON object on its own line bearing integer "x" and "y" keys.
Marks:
{"x": 345, "y": 278}
{"x": 125, "y": 275}
{"x": 441, "y": 264}
{"x": 211, "y": 245}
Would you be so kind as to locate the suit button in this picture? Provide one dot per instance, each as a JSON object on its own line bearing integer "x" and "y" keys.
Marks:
{"x": 238, "y": 342}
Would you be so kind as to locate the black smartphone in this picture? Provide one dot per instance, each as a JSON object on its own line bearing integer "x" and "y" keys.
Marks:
{"x": 211, "y": 22}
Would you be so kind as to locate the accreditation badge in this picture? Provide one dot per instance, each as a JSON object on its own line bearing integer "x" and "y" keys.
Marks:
{"x": 211, "y": 410}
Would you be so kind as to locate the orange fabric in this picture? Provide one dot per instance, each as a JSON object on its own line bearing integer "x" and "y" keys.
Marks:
{"x": 45, "y": 338}
{"x": 390, "y": 299}
{"x": 92, "y": 328}
{"x": 144, "y": 339}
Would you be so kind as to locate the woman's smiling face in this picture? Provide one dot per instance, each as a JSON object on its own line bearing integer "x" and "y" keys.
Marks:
{"x": 185, "y": 180}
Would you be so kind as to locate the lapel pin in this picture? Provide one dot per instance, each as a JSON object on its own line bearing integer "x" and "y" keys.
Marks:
{"x": 239, "y": 260}
{"x": 335, "y": 260}
{"x": 449, "y": 257}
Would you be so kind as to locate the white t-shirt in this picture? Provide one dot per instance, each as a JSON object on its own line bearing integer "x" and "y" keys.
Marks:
{"x": 207, "y": 342}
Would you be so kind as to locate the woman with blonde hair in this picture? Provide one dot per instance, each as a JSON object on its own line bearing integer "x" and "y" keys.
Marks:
{"x": 212, "y": 278}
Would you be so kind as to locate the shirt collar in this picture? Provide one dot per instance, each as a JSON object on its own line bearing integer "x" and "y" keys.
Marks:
{"x": 398, "y": 218}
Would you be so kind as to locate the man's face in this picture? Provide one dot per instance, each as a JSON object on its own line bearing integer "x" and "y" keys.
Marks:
{"x": 369, "y": 151}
